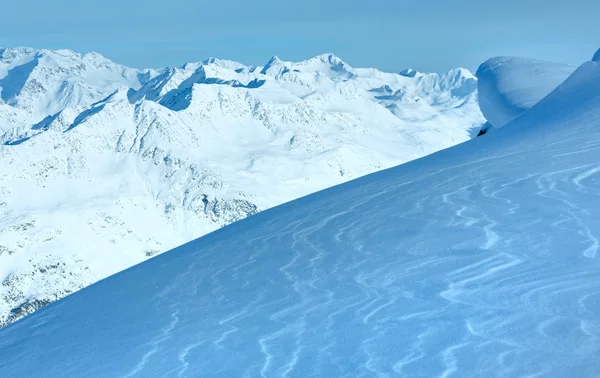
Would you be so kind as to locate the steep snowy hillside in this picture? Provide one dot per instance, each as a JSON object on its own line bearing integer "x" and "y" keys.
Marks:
{"x": 87, "y": 192}
{"x": 508, "y": 86}
{"x": 478, "y": 261}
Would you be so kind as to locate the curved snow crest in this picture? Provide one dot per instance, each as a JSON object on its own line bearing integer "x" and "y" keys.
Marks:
{"x": 579, "y": 93}
{"x": 508, "y": 86}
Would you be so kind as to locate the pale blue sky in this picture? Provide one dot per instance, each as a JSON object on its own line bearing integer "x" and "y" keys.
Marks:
{"x": 388, "y": 34}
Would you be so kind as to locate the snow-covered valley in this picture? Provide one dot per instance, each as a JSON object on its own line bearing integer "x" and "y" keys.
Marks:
{"x": 480, "y": 260}
{"x": 104, "y": 166}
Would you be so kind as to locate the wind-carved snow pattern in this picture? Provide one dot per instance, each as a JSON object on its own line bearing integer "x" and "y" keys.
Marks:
{"x": 114, "y": 165}
{"x": 479, "y": 260}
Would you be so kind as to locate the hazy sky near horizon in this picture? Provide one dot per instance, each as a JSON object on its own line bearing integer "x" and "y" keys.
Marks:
{"x": 387, "y": 34}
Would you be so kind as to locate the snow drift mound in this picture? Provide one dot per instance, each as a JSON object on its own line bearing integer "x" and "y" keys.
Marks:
{"x": 509, "y": 86}
{"x": 479, "y": 260}
{"x": 575, "y": 101}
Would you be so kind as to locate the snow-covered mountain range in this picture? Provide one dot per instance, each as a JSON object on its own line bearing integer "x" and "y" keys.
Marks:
{"x": 481, "y": 260}
{"x": 104, "y": 166}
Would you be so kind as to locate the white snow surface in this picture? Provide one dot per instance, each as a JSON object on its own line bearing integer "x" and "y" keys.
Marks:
{"x": 104, "y": 166}
{"x": 481, "y": 260}
{"x": 35, "y": 84}
{"x": 508, "y": 86}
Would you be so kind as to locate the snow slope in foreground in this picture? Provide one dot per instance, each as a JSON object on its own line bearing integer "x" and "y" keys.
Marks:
{"x": 508, "y": 86}
{"x": 480, "y": 260}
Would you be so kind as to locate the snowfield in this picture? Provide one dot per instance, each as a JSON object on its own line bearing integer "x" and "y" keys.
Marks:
{"x": 508, "y": 86}
{"x": 481, "y": 260}
{"x": 104, "y": 166}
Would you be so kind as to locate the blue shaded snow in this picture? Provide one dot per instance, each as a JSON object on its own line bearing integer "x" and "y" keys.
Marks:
{"x": 12, "y": 84}
{"x": 85, "y": 115}
{"x": 508, "y": 86}
{"x": 17, "y": 141}
{"x": 46, "y": 122}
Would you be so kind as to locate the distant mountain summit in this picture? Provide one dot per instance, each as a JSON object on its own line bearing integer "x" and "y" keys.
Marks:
{"x": 43, "y": 82}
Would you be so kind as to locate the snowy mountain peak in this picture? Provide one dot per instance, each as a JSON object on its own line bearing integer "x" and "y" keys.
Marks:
{"x": 331, "y": 59}
{"x": 100, "y": 61}
{"x": 35, "y": 84}
{"x": 224, "y": 63}
{"x": 9, "y": 54}
{"x": 275, "y": 67}
{"x": 409, "y": 72}
{"x": 94, "y": 55}
{"x": 328, "y": 65}
{"x": 461, "y": 72}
